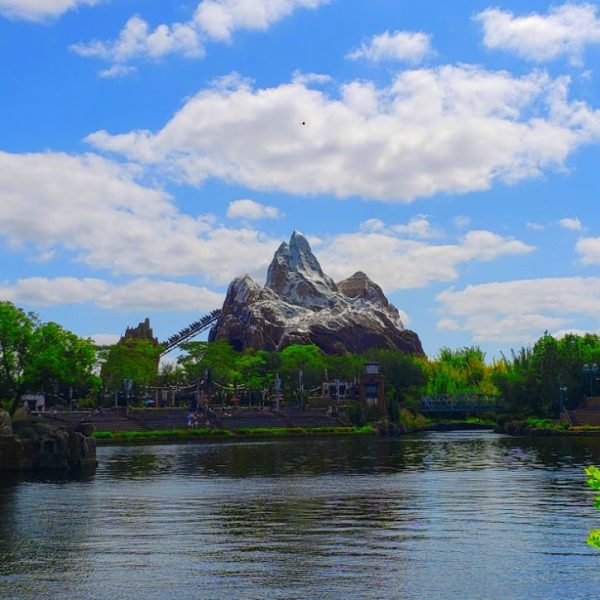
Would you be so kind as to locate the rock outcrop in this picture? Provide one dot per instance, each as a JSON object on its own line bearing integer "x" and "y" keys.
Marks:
{"x": 300, "y": 304}
{"x": 34, "y": 445}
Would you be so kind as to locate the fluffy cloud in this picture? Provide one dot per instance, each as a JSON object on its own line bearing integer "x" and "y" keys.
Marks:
{"x": 407, "y": 46}
{"x": 571, "y": 223}
{"x": 116, "y": 71}
{"x": 95, "y": 210}
{"x": 39, "y": 10}
{"x": 589, "y": 248}
{"x": 520, "y": 311}
{"x": 535, "y": 226}
{"x": 393, "y": 143}
{"x": 139, "y": 294}
{"x": 252, "y": 211}
{"x": 92, "y": 210}
{"x": 565, "y": 31}
{"x": 418, "y": 227}
{"x": 409, "y": 263}
{"x": 138, "y": 40}
{"x": 219, "y": 19}
{"x": 213, "y": 19}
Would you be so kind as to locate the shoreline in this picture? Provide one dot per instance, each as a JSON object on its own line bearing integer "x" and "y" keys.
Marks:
{"x": 223, "y": 435}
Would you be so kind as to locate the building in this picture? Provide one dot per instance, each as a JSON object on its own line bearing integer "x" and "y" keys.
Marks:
{"x": 371, "y": 389}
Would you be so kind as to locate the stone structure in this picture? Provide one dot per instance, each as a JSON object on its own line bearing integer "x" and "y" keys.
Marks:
{"x": 142, "y": 332}
{"x": 35, "y": 445}
{"x": 300, "y": 304}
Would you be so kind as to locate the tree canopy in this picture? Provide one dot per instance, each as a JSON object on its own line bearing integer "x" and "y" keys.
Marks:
{"x": 36, "y": 356}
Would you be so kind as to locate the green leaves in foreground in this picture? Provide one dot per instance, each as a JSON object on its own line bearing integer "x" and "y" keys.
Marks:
{"x": 594, "y": 482}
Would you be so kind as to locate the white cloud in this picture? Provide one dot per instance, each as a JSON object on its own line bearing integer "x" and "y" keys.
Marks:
{"x": 40, "y": 10}
{"x": 461, "y": 221}
{"x": 213, "y": 19}
{"x": 396, "y": 263}
{"x": 589, "y": 248}
{"x": 116, "y": 71}
{"x": 565, "y": 31}
{"x": 520, "y": 311}
{"x": 219, "y": 19}
{"x": 571, "y": 223}
{"x": 138, "y": 40}
{"x": 372, "y": 225}
{"x": 406, "y": 46}
{"x": 393, "y": 143}
{"x": 252, "y": 210}
{"x": 139, "y": 294}
{"x": 95, "y": 210}
{"x": 310, "y": 78}
{"x": 535, "y": 226}
{"x": 418, "y": 227}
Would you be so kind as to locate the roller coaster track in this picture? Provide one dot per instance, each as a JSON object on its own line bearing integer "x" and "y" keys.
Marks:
{"x": 196, "y": 328}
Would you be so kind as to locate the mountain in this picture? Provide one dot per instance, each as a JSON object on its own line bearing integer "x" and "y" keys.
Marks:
{"x": 300, "y": 304}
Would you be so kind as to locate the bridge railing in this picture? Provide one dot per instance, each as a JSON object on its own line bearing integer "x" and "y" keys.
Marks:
{"x": 460, "y": 403}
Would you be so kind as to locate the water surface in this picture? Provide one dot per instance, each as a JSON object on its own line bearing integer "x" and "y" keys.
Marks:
{"x": 439, "y": 515}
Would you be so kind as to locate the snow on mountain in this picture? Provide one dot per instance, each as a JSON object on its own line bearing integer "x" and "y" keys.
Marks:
{"x": 300, "y": 304}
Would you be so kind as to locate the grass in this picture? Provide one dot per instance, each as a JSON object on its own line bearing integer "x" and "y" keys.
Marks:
{"x": 190, "y": 434}
{"x": 469, "y": 421}
{"x": 536, "y": 423}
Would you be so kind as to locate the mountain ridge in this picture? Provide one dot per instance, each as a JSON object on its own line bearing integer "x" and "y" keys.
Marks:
{"x": 300, "y": 304}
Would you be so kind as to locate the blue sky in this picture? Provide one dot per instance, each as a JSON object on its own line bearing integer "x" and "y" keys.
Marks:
{"x": 150, "y": 152}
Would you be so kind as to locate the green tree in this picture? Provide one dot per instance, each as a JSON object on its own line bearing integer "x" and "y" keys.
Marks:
{"x": 405, "y": 377}
{"x": 36, "y": 356}
{"x": 461, "y": 371}
{"x": 530, "y": 380}
{"x": 133, "y": 359}
{"x": 305, "y": 362}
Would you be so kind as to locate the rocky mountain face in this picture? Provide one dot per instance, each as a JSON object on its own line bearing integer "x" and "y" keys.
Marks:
{"x": 300, "y": 304}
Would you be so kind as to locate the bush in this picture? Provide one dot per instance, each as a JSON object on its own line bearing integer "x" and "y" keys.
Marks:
{"x": 411, "y": 421}
{"x": 356, "y": 413}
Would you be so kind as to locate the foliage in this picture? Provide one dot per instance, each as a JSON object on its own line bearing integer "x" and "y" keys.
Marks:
{"x": 594, "y": 482}
{"x": 405, "y": 375}
{"x": 411, "y": 421}
{"x": 37, "y": 356}
{"x": 356, "y": 413}
{"x": 461, "y": 371}
{"x": 133, "y": 359}
{"x": 306, "y": 363}
{"x": 529, "y": 381}
{"x": 227, "y": 370}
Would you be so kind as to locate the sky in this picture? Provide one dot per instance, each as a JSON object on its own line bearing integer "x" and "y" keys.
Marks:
{"x": 152, "y": 151}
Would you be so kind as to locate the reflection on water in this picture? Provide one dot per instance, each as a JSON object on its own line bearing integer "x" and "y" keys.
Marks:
{"x": 442, "y": 515}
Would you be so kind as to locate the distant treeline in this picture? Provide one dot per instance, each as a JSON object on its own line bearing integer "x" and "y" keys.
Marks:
{"x": 532, "y": 381}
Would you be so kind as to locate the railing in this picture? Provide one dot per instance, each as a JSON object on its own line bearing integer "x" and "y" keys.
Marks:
{"x": 459, "y": 403}
{"x": 196, "y": 328}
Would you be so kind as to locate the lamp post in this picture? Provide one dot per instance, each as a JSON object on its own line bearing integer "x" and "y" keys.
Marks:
{"x": 127, "y": 385}
{"x": 301, "y": 388}
{"x": 591, "y": 371}
{"x": 562, "y": 388}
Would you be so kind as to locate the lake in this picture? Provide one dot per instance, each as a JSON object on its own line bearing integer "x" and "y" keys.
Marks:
{"x": 436, "y": 515}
